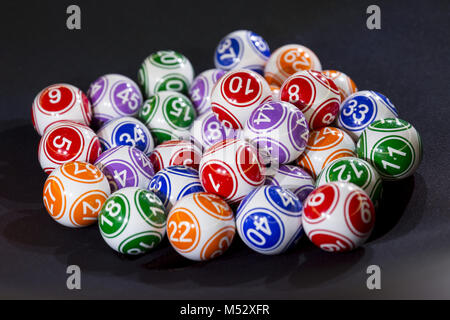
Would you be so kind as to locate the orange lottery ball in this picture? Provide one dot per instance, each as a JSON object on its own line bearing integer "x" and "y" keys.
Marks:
{"x": 344, "y": 83}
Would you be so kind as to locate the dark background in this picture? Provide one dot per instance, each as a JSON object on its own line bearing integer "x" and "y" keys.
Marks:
{"x": 407, "y": 60}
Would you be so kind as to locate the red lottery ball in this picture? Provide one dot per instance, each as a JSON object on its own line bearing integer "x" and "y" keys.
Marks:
{"x": 175, "y": 153}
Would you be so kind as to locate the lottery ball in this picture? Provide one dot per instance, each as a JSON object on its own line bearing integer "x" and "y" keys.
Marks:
{"x": 279, "y": 128}
{"x": 174, "y": 153}
{"x": 126, "y": 131}
{"x": 173, "y": 183}
{"x": 236, "y": 95}
{"x": 287, "y": 60}
{"x": 201, "y": 226}
{"x": 361, "y": 109}
{"x": 293, "y": 178}
{"x": 344, "y": 83}
{"x": 242, "y": 49}
{"x": 324, "y": 146}
{"x": 275, "y": 92}
{"x": 269, "y": 220}
{"x": 125, "y": 166}
{"x": 74, "y": 194}
{"x": 60, "y": 102}
{"x": 166, "y": 114}
{"x": 207, "y": 130}
{"x": 66, "y": 141}
{"x": 315, "y": 95}
{"x": 132, "y": 221}
{"x": 393, "y": 146}
{"x": 165, "y": 71}
{"x": 354, "y": 170}
{"x": 231, "y": 169}
{"x": 338, "y": 217}
{"x": 201, "y": 89}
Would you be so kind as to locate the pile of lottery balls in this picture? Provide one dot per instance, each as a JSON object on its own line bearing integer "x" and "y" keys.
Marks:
{"x": 267, "y": 145}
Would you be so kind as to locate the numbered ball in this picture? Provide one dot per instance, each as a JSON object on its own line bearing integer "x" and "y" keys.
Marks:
{"x": 338, "y": 217}
{"x": 66, "y": 141}
{"x": 114, "y": 96}
{"x": 207, "y": 130}
{"x": 242, "y": 49}
{"x": 201, "y": 226}
{"x": 324, "y": 146}
{"x": 125, "y": 166}
{"x": 393, "y": 146}
{"x": 361, "y": 109}
{"x": 60, "y": 102}
{"x": 293, "y": 178}
{"x": 275, "y": 92}
{"x": 287, "y": 60}
{"x": 315, "y": 95}
{"x": 165, "y": 71}
{"x": 269, "y": 220}
{"x": 174, "y": 153}
{"x": 231, "y": 169}
{"x": 126, "y": 131}
{"x": 279, "y": 128}
{"x": 74, "y": 194}
{"x": 344, "y": 83}
{"x": 132, "y": 221}
{"x": 167, "y": 114}
{"x": 236, "y": 95}
{"x": 173, "y": 183}
{"x": 201, "y": 89}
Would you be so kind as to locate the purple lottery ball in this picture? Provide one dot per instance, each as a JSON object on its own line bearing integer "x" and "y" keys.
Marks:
{"x": 293, "y": 178}
{"x": 201, "y": 88}
{"x": 280, "y": 129}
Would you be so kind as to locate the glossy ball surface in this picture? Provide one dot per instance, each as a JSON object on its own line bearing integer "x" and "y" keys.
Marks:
{"x": 125, "y": 166}
{"x": 60, "y": 102}
{"x": 269, "y": 220}
{"x": 132, "y": 221}
{"x": 393, "y": 146}
{"x": 165, "y": 70}
{"x": 174, "y": 153}
{"x": 279, "y": 128}
{"x": 344, "y": 83}
{"x": 200, "y": 92}
{"x": 293, "y": 178}
{"x": 242, "y": 49}
{"x": 74, "y": 194}
{"x": 315, "y": 95}
{"x": 236, "y": 95}
{"x": 201, "y": 226}
{"x": 338, "y": 217}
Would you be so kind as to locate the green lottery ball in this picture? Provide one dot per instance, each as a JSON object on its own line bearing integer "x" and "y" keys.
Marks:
{"x": 165, "y": 71}
{"x": 167, "y": 114}
{"x": 132, "y": 221}
{"x": 393, "y": 146}
{"x": 354, "y": 170}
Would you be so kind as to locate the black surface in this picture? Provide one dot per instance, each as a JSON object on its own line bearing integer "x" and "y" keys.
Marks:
{"x": 408, "y": 60}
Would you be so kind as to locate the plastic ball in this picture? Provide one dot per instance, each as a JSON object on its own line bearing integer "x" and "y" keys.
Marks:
{"x": 275, "y": 92}
{"x": 393, "y": 146}
{"x": 201, "y": 226}
{"x": 165, "y": 70}
{"x": 287, "y": 60}
{"x": 200, "y": 92}
{"x": 269, "y": 220}
{"x": 242, "y": 49}
{"x": 338, "y": 217}
{"x": 174, "y": 153}
{"x": 74, "y": 194}
{"x": 361, "y": 109}
{"x": 125, "y": 166}
{"x": 315, "y": 95}
{"x": 279, "y": 128}
{"x": 167, "y": 114}
{"x": 173, "y": 183}
{"x": 344, "y": 83}
{"x": 114, "y": 96}
{"x": 231, "y": 169}
{"x": 132, "y": 221}
{"x": 126, "y": 131}
{"x": 236, "y": 95}
{"x": 324, "y": 146}
{"x": 60, "y": 102}
{"x": 293, "y": 178}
